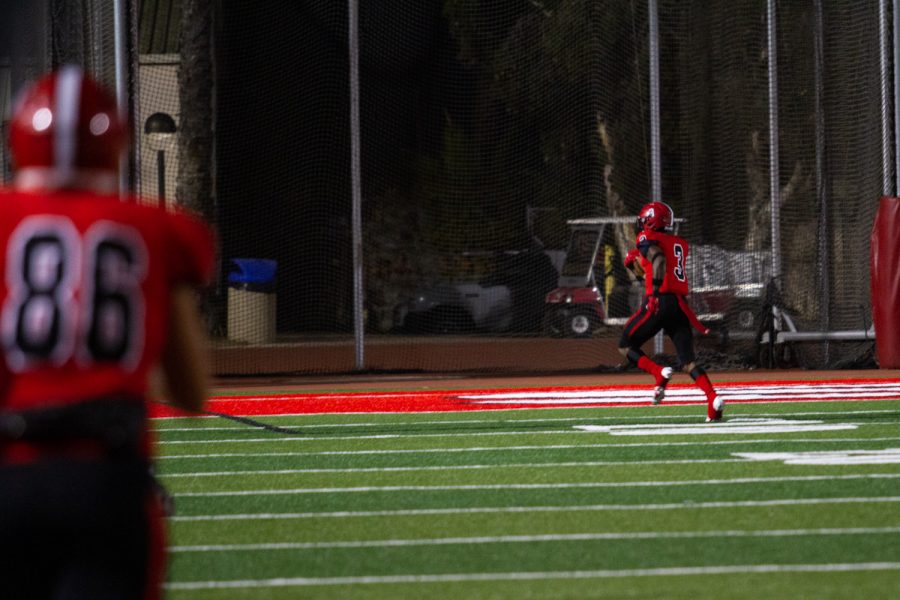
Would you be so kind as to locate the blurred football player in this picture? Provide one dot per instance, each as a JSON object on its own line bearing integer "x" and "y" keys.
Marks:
{"x": 661, "y": 258}
{"x": 94, "y": 294}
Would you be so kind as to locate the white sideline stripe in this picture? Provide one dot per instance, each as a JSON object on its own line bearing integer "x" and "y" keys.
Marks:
{"x": 414, "y": 512}
{"x": 521, "y": 448}
{"x": 381, "y": 436}
{"x": 159, "y": 429}
{"x": 848, "y": 390}
{"x": 744, "y": 393}
{"x": 604, "y": 392}
{"x": 624, "y": 396}
{"x": 553, "y": 465}
{"x": 551, "y": 537}
{"x": 535, "y": 486}
{"x": 532, "y": 575}
{"x": 697, "y": 397}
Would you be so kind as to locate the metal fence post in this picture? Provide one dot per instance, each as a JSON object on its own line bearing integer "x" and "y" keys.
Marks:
{"x": 356, "y": 186}
{"x": 774, "y": 174}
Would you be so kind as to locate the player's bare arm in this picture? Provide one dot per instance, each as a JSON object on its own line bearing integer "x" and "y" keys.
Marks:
{"x": 657, "y": 260}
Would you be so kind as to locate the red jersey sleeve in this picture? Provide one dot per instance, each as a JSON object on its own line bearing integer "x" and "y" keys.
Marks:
{"x": 191, "y": 255}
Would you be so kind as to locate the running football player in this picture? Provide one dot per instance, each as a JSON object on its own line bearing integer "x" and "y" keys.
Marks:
{"x": 661, "y": 258}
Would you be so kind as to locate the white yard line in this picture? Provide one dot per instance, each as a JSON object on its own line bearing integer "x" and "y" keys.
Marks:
{"x": 529, "y": 539}
{"x": 523, "y": 448}
{"x": 533, "y": 576}
{"x": 745, "y": 425}
{"x": 536, "y": 486}
{"x": 528, "y": 465}
{"x": 278, "y": 420}
{"x": 537, "y": 509}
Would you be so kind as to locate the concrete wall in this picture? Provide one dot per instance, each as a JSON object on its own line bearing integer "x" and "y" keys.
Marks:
{"x": 158, "y": 93}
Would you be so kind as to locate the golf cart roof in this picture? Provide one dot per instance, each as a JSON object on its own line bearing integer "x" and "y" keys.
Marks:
{"x": 592, "y": 222}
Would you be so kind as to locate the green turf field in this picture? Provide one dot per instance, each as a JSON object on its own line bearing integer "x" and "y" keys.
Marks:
{"x": 524, "y": 504}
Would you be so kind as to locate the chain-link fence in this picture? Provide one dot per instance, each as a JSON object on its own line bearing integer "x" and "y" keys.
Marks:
{"x": 501, "y": 146}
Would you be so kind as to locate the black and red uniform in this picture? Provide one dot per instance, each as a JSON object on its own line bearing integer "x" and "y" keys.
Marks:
{"x": 665, "y": 307}
{"x": 674, "y": 316}
{"x": 85, "y": 290}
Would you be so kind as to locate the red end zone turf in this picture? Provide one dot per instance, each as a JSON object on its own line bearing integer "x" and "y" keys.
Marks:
{"x": 548, "y": 397}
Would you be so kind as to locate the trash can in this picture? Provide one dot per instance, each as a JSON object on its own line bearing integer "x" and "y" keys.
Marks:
{"x": 251, "y": 300}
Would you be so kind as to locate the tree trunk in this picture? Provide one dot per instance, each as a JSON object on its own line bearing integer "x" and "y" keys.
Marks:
{"x": 759, "y": 228}
{"x": 195, "y": 189}
{"x": 615, "y": 206}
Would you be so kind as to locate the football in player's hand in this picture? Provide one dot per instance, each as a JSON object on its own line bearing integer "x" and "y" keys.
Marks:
{"x": 633, "y": 262}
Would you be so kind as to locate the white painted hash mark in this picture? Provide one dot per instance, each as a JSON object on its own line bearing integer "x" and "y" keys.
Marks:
{"x": 828, "y": 457}
{"x": 533, "y": 576}
{"x": 729, "y": 427}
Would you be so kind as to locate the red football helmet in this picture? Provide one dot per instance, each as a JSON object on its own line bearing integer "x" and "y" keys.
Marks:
{"x": 65, "y": 130}
{"x": 656, "y": 216}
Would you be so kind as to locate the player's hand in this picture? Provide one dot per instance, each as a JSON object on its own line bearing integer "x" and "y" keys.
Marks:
{"x": 653, "y": 305}
{"x": 632, "y": 256}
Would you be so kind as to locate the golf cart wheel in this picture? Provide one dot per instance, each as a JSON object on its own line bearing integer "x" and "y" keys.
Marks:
{"x": 743, "y": 317}
{"x": 581, "y": 324}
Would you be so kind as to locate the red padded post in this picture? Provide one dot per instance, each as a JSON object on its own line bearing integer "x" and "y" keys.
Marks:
{"x": 884, "y": 263}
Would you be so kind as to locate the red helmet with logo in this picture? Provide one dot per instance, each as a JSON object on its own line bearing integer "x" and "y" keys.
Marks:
{"x": 656, "y": 216}
{"x": 65, "y": 130}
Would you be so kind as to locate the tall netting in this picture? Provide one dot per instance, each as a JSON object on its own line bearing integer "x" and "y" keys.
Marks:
{"x": 484, "y": 128}
{"x": 829, "y": 153}
{"x": 528, "y": 115}
{"x": 505, "y": 147}
{"x": 851, "y": 163}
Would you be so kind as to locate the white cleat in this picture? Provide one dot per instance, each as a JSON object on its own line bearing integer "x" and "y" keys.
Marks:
{"x": 718, "y": 403}
{"x": 659, "y": 392}
{"x": 714, "y": 412}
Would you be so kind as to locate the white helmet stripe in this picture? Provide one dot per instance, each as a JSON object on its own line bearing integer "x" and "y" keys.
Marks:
{"x": 68, "y": 105}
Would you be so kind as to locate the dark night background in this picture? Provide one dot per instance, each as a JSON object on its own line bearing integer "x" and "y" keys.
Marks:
{"x": 473, "y": 111}
{"x": 284, "y": 132}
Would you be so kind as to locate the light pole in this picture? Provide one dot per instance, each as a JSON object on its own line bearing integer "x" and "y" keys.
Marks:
{"x": 160, "y": 129}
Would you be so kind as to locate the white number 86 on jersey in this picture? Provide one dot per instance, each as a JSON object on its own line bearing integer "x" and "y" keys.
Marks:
{"x": 73, "y": 295}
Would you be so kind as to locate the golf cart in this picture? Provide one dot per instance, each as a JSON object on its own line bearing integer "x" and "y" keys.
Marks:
{"x": 580, "y": 303}
{"x": 594, "y": 289}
